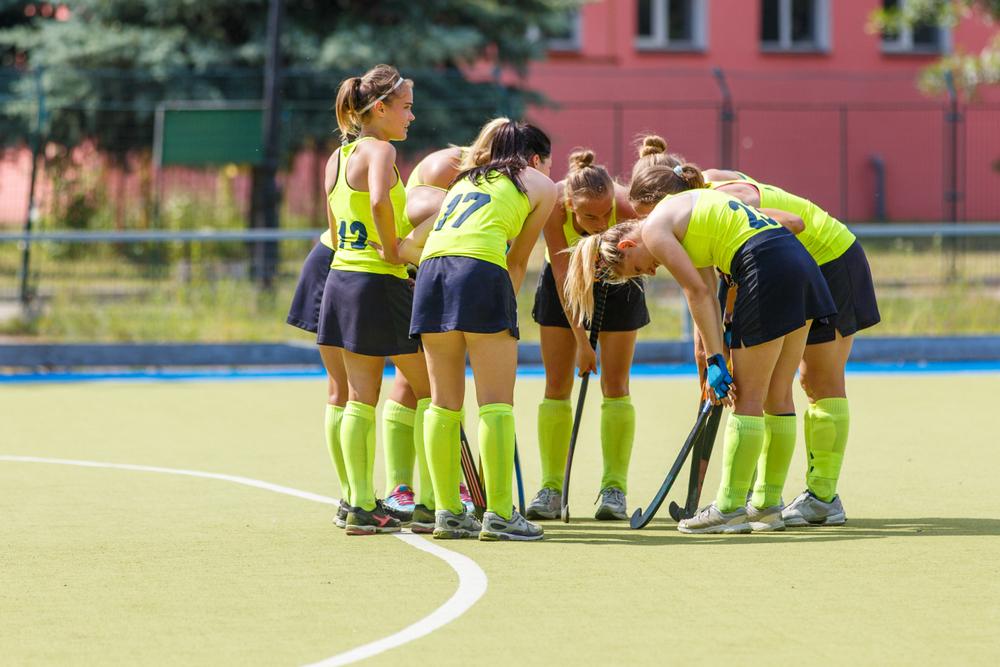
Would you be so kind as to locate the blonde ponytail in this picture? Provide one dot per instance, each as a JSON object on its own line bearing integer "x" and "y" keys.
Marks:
{"x": 593, "y": 258}
{"x": 478, "y": 153}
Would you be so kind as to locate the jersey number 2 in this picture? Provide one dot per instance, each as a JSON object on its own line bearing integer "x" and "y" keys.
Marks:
{"x": 755, "y": 221}
{"x": 478, "y": 199}
{"x": 357, "y": 227}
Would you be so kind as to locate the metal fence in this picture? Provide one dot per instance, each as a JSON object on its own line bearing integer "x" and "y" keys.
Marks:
{"x": 893, "y": 155}
{"x": 200, "y": 285}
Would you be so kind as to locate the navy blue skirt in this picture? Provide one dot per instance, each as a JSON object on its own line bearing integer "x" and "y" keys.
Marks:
{"x": 463, "y": 294}
{"x": 366, "y": 313}
{"x": 308, "y": 297}
{"x": 850, "y": 281}
{"x": 779, "y": 288}
{"x": 624, "y": 309}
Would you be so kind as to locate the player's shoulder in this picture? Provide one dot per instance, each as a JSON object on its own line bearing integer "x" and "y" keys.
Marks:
{"x": 440, "y": 167}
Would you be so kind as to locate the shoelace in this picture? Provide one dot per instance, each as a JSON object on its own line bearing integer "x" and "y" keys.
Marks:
{"x": 546, "y": 495}
{"x": 615, "y": 495}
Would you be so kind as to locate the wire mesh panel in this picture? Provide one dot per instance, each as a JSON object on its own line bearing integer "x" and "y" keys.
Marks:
{"x": 203, "y": 286}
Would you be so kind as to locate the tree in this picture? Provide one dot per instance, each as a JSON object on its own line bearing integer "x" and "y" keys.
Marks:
{"x": 109, "y": 62}
{"x": 970, "y": 70}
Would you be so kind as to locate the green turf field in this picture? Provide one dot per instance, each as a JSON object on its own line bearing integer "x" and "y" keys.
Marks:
{"x": 105, "y": 566}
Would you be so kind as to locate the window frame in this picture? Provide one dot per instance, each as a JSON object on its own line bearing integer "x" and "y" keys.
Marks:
{"x": 572, "y": 43}
{"x": 660, "y": 40}
{"x": 821, "y": 43}
{"x": 902, "y": 44}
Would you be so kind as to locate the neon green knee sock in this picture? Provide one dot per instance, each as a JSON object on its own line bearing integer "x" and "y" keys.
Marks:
{"x": 334, "y": 413}
{"x": 425, "y": 489}
{"x": 775, "y": 457}
{"x": 496, "y": 445}
{"x": 444, "y": 456}
{"x": 357, "y": 442}
{"x": 617, "y": 434}
{"x": 828, "y": 421}
{"x": 555, "y": 422}
{"x": 741, "y": 447}
{"x": 397, "y": 439}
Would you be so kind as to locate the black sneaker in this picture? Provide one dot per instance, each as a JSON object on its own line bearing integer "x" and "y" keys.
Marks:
{"x": 365, "y": 522}
{"x": 422, "y": 520}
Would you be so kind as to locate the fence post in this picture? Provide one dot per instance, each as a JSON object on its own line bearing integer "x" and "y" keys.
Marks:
{"x": 265, "y": 254}
{"x": 727, "y": 159}
{"x": 32, "y": 215}
{"x": 953, "y": 117}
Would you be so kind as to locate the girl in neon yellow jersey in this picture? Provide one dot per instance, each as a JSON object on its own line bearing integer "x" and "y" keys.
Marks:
{"x": 402, "y": 414}
{"x": 822, "y": 370}
{"x": 464, "y": 302}
{"x": 367, "y": 299}
{"x": 591, "y": 202}
{"x": 694, "y": 231}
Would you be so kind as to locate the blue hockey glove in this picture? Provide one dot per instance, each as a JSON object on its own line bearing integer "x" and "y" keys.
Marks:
{"x": 718, "y": 376}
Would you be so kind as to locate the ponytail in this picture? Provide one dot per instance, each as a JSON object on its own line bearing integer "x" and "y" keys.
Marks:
{"x": 578, "y": 287}
{"x": 347, "y": 105}
{"x": 593, "y": 258}
{"x": 513, "y": 145}
{"x": 478, "y": 153}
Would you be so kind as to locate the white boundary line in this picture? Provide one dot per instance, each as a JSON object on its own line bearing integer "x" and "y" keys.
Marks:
{"x": 472, "y": 580}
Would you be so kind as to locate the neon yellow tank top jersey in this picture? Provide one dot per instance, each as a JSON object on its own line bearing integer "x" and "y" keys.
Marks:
{"x": 825, "y": 237}
{"x": 719, "y": 226}
{"x": 352, "y": 212}
{"x": 478, "y": 220}
{"x": 327, "y": 239}
{"x": 569, "y": 230}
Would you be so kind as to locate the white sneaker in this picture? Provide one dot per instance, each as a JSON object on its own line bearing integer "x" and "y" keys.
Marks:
{"x": 612, "y": 507}
{"x": 547, "y": 504}
{"x": 765, "y": 519}
{"x": 450, "y": 526}
{"x": 808, "y": 510}
{"x": 495, "y": 527}
{"x": 710, "y": 520}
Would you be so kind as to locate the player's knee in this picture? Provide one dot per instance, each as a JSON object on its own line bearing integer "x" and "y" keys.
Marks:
{"x": 614, "y": 387}
{"x": 558, "y": 389}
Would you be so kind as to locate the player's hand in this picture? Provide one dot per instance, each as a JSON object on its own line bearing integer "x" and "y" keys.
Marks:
{"x": 719, "y": 381}
{"x": 586, "y": 360}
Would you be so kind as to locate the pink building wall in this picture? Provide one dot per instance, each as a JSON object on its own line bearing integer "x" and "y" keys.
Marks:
{"x": 811, "y": 122}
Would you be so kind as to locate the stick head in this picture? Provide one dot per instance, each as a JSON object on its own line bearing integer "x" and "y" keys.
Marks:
{"x": 565, "y": 513}
{"x": 636, "y": 520}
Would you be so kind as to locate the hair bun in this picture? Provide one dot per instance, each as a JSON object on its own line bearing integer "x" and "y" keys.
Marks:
{"x": 581, "y": 159}
{"x": 652, "y": 144}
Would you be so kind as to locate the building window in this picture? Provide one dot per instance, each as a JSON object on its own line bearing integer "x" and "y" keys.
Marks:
{"x": 570, "y": 38}
{"x": 671, "y": 25}
{"x": 795, "y": 25}
{"x": 918, "y": 38}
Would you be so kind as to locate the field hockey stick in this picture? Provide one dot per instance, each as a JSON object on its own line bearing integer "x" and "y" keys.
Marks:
{"x": 472, "y": 478}
{"x": 640, "y": 518}
{"x": 519, "y": 479}
{"x": 699, "y": 466}
{"x": 706, "y": 441}
{"x": 600, "y": 295}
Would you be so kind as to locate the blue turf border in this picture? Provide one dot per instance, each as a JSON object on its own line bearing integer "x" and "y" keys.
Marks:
{"x": 639, "y": 370}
